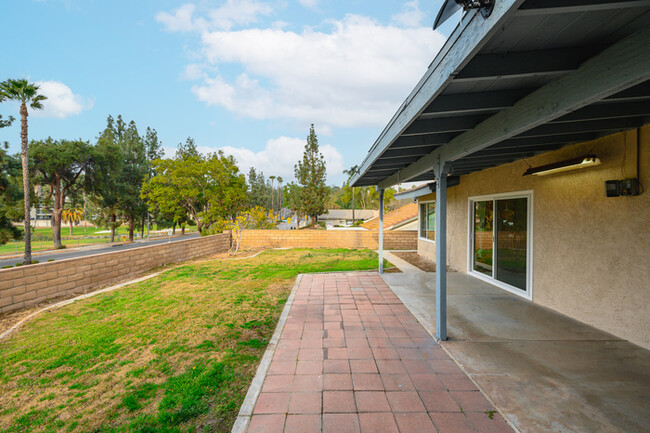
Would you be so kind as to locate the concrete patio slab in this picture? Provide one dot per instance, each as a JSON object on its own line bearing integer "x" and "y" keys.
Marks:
{"x": 352, "y": 358}
{"x": 544, "y": 371}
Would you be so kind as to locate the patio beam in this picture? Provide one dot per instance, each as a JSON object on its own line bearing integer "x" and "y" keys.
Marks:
{"x": 448, "y": 124}
{"x": 525, "y": 63}
{"x": 622, "y": 65}
{"x": 381, "y": 231}
{"x": 466, "y": 103}
{"x": 558, "y": 128}
{"x": 608, "y": 110}
{"x": 422, "y": 140}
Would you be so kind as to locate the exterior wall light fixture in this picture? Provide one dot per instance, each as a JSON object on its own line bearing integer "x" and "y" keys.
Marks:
{"x": 569, "y": 164}
{"x": 450, "y": 7}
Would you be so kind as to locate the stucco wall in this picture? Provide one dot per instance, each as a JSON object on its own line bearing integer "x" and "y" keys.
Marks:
{"x": 591, "y": 254}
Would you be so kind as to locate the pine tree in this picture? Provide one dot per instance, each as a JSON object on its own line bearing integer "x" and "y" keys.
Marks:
{"x": 311, "y": 174}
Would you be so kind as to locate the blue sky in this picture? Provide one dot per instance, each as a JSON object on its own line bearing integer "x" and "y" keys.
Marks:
{"x": 246, "y": 76}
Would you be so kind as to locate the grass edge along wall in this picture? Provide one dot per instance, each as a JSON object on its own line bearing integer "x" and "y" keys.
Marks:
{"x": 29, "y": 285}
{"x": 589, "y": 253}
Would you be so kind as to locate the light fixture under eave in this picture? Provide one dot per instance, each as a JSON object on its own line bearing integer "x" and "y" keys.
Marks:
{"x": 569, "y": 164}
{"x": 450, "y": 7}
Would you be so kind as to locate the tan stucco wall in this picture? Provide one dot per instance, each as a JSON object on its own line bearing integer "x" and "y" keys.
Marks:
{"x": 591, "y": 254}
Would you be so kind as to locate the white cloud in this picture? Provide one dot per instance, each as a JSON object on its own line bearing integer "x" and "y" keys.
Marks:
{"x": 231, "y": 13}
{"x": 354, "y": 75}
{"x": 181, "y": 20}
{"x": 309, "y": 3}
{"x": 61, "y": 102}
{"x": 194, "y": 71}
{"x": 281, "y": 155}
{"x": 278, "y": 157}
{"x": 412, "y": 16}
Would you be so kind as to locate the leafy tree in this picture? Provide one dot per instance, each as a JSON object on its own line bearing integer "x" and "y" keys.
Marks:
{"x": 310, "y": 174}
{"x": 22, "y": 91}
{"x": 259, "y": 191}
{"x": 154, "y": 151}
{"x": 254, "y": 218}
{"x": 135, "y": 169}
{"x": 124, "y": 158}
{"x": 60, "y": 164}
{"x": 8, "y": 192}
{"x": 106, "y": 216}
{"x": 9, "y": 195}
{"x": 108, "y": 171}
{"x": 188, "y": 149}
{"x": 293, "y": 200}
{"x": 208, "y": 189}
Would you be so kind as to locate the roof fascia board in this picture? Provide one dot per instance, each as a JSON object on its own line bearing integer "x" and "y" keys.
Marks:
{"x": 463, "y": 44}
{"x": 547, "y": 7}
{"x": 618, "y": 67}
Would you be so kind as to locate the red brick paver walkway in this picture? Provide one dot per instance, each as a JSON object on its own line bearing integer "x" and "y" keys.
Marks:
{"x": 352, "y": 358}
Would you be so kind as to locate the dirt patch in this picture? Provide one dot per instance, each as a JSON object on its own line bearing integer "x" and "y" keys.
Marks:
{"x": 394, "y": 270}
{"x": 7, "y": 320}
{"x": 416, "y": 260}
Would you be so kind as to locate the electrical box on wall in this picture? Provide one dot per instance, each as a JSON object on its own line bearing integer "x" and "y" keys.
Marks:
{"x": 622, "y": 187}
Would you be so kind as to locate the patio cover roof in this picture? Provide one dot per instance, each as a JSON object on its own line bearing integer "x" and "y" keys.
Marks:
{"x": 534, "y": 76}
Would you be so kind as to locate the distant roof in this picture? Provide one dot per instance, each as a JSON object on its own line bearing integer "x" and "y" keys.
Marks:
{"x": 346, "y": 214}
{"x": 532, "y": 77}
{"x": 394, "y": 218}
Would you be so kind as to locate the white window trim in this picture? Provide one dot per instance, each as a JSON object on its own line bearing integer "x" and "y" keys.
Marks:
{"x": 420, "y": 238}
{"x": 528, "y": 294}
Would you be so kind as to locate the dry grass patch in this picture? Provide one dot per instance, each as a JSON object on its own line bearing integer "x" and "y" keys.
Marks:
{"x": 170, "y": 354}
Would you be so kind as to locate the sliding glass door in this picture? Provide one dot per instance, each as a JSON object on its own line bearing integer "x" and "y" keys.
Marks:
{"x": 510, "y": 234}
{"x": 483, "y": 238}
{"x": 500, "y": 241}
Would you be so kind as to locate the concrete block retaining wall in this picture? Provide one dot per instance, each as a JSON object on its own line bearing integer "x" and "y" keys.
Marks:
{"x": 393, "y": 240}
{"x": 29, "y": 285}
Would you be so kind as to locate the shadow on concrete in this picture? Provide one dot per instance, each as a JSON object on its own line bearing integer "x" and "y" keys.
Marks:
{"x": 545, "y": 371}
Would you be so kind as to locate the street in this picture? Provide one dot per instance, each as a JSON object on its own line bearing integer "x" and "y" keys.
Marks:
{"x": 81, "y": 252}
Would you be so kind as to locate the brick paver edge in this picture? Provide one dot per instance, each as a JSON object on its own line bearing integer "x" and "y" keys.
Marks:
{"x": 246, "y": 410}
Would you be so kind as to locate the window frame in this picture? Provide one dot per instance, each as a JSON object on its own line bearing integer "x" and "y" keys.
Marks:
{"x": 420, "y": 216}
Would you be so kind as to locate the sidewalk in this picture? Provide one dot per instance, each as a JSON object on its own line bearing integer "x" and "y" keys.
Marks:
{"x": 352, "y": 358}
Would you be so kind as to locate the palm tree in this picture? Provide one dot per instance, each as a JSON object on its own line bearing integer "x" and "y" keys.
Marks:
{"x": 24, "y": 92}
{"x": 72, "y": 216}
{"x": 272, "y": 193}
{"x": 280, "y": 194}
{"x": 351, "y": 172}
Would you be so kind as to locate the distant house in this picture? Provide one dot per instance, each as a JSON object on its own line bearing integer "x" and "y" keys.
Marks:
{"x": 343, "y": 217}
{"x": 403, "y": 218}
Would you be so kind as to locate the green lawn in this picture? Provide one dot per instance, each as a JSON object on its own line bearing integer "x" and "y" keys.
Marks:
{"x": 174, "y": 353}
{"x": 42, "y": 238}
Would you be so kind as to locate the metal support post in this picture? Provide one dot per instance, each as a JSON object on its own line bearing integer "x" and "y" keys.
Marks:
{"x": 381, "y": 231}
{"x": 441, "y": 251}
